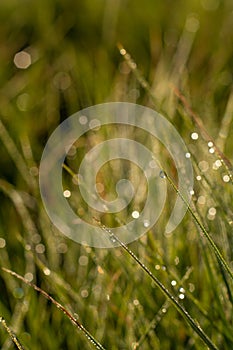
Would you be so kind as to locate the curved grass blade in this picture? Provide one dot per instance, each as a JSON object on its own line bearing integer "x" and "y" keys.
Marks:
{"x": 88, "y": 335}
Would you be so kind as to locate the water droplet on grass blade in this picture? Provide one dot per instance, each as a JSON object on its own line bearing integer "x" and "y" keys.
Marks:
{"x": 146, "y": 223}
{"x": 226, "y": 178}
{"x": 211, "y": 150}
{"x": 194, "y": 136}
{"x": 2, "y": 243}
{"x": 135, "y": 214}
{"x": 112, "y": 239}
{"x": 162, "y": 174}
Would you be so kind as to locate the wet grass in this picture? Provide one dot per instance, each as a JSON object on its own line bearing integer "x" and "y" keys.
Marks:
{"x": 178, "y": 62}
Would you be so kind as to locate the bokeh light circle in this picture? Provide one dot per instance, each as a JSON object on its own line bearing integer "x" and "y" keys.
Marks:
{"x": 127, "y": 114}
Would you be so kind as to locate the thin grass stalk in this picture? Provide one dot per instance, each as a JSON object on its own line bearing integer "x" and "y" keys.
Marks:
{"x": 163, "y": 289}
{"x": 214, "y": 247}
{"x": 132, "y": 65}
{"x": 157, "y": 318}
{"x": 152, "y": 325}
{"x": 16, "y": 156}
{"x": 14, "y": 338}
{"x": 88, "y": 335}
{"x": 197, "y": 121}
{"x": 205, "y": 135}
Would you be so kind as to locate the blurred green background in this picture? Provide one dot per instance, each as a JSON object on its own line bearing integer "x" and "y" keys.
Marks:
{"x": 58, "y": 57}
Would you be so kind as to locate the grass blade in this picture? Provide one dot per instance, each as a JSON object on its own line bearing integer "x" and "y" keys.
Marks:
{"x": 90, "y": 337}
{"x": 214, "y": 247}
{"x": 11, "y": 334}
{"x": 164, "y": 290}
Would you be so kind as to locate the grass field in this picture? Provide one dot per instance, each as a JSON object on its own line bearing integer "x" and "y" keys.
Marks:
{"x": 58, "y": 57}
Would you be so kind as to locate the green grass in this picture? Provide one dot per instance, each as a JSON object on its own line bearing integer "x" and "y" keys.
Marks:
{"x": 183, "y": 53}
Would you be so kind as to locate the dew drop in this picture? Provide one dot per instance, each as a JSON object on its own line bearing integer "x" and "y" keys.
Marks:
{"x": 46, "y": 271}
{"x": 146, "y": 223}
{"x": 173, "y": 283}
{"x": 135, "y": 214}
{"x": 218, "y": 163}
{"x": 226, "y": 178}
{"x": 67, "y": 194}
{"x": 162, "y": 174}
{"x": 194, "y": 136}
{"x": 122, "y": 52}
{"x": 187, "y": 155}
{"x": 211, "y": 150}
{"x": 2, "y": 243}
{"x": 112, "y": 239}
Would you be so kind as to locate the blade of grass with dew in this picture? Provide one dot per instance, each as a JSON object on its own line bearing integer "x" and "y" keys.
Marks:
{"x": 215, "y": 249}
{"x": 163, "y": 289}
{"x": 88, "y": 335}
{"x": 162, "y": 312}
{"x": 14, "y": 338}
{"x": 133, "y": 66}
{"x": 217, "y": 296}
{"x": 198, "y": 122}
{"x": 197, "y": 303}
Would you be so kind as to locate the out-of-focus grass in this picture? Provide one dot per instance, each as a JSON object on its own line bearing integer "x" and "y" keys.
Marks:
{"x": 75, "y": 64}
